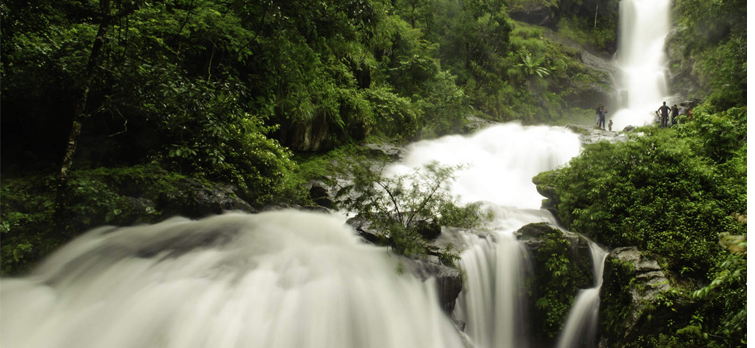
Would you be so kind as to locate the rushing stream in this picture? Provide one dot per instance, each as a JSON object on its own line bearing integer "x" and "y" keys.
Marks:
{"x": 278, "y": 279}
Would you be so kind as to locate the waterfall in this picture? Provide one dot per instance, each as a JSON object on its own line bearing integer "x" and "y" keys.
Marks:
{"x": 492, "y": 303}
{"x": 643, "y": 27}
{"x": 501, "y": 161}
{"x": 582, "y": 320}
{"x": 278, "y": 279}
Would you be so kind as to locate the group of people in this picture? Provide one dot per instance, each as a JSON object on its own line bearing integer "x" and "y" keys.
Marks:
{"x": 662, "y": 115}
{"x": 664, "y": 112}
{"x": 600, "y": 118}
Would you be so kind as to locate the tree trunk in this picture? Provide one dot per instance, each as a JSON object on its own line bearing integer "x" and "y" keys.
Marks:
{"x": 81, "y": 105}
{"x": 596, "y": 13}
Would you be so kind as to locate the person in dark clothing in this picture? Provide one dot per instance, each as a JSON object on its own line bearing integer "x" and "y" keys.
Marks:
{"x": 674, "y": 114}
{"x": 603, "y": 112}
{"x": 664, "y": 114}
{"x": 597, "y": 116}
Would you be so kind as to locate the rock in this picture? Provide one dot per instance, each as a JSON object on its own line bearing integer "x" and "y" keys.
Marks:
{"x": 367, "y": 232}
{"x": 474, "y": 124}
{"x": 193, "y": 199}
{"x": 388, "y": 150}
{"x": 628, "y": 128}
{"x": 535, "y": 14}
{"x": 448, "y": 280}
{"x": 591, "y": 135}
{"x": 322, "y": 194}
{"x": 632, "y": 281}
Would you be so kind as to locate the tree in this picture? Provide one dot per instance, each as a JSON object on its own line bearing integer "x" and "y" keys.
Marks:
{"x": 106, "y": 18}
{"x": 399, "y": 206}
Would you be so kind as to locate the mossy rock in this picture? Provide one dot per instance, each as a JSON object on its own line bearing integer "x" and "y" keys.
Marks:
{"x": 561, "y": 265}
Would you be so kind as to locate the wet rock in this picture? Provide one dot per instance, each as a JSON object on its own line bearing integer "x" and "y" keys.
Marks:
{"x": 591, "y": 134}
{"x": 322, "y": 194}
{"x": 631, "y": 281}
{"x": 387, "y": 150}
{"x": 448, "y": 280}
{"x": 193, "y": 199}
{"x": 283, "y": 206}
{"x": 474, "y": 124}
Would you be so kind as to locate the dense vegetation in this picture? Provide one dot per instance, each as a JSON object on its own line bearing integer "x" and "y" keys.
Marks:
{"x": 679, "y": 194}
{"x": 239, "y": 92}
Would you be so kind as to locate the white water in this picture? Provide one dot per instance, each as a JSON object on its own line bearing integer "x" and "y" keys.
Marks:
{"x": 582, "y": 320}
{"x": 643, "y": 27}
{"x": 492, "y": 304}
{"x": 501, "y": 162}
{"x": 280, "y": 279}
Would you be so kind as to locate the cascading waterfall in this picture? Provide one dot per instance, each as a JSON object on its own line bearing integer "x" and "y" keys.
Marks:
{"x": 582, "y": 321}
{"x": 278, "y": 279}
{"x": 492, "y": 305}
{"x": 643, "y": 27}
{"x": 501, "y": 161}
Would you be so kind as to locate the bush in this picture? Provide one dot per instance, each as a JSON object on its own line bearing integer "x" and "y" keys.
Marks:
{"x": 655, "y": 192}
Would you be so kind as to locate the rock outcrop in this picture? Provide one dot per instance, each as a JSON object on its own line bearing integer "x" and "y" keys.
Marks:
{"x": 591, "y": 135}
{"x": 561, "y": 265}
{"x": 632, "y": 285}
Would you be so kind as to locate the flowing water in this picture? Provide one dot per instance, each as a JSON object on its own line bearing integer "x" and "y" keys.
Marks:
{"x": 292, "y": 279}
{"x": 501, "y": 161}
{"x": 643, "y": 27}
{"x": 279, "y": 279}
{"x": 582, "y": 321}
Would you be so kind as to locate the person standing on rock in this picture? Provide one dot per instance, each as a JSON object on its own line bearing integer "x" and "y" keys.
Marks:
{"x": 610, "y": 125}
{"x": 664, "y": 115}
{"x": 602, "y": 123}
{"x": 597, "y": 115}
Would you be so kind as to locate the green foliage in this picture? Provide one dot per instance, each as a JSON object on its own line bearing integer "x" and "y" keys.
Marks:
{"x": 532, "y": 66}
{"x": 679, "y": 194}
{"x": 99, "y": 196}
{"x": 656, "y": 192}
{"x": 713, "y": 35}
{"x": 583, "y": 30}
{"x": 396, "y": 206}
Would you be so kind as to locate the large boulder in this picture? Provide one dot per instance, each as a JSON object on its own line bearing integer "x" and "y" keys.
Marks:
{"x": 633, "y": 285}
